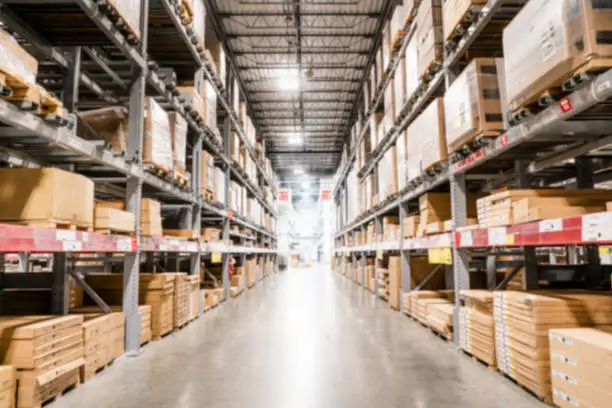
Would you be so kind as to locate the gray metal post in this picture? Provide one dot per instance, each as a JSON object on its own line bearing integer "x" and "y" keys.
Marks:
{"x": 243, "y": 259}
{"x": 363, "y": 258}
{"x": 227, "y": 130}
{"x": 461, "y": 271}
{"x": 530, "y": 275}
{"x": 108, "y": 265}
{"x": 60, "y": 288}
{"x": 379, "y": 232}
{"x": 2, "y": 260}
{"x": 406, "y": 271}
{"x": 195, "y": 259}
{"x": 24, "y": 262}
{"x": 72, "y": 77}
{"x": 134, "y": 191}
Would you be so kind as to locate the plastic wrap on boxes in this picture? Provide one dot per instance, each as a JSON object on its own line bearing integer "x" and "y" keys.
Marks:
{"x": 399, "y": 86}
{"x": 15, "y": 60}
{"x": 208, "y": 172}
{"x": 375, "y": 137}
{"x": 453, "y": 12}
{"x": 401, "y": 151}
{"x": 387, "y": 174}
{"x": 217, "y": 54}
{"x": 209, "y": 97}
{"x": 108, "y": 124}
{"x": 199, "y": 18}
{"x": 389, "y": 99}
{"x": 549, "y": 40}
{"x": 193, "y": 100}
{"x": 129, "y": 10}
{"x": 178, "y": 132}
{"x": 411, "y": 69}
{"x": 386, "y": 46}
{"x": 471, "y": 104}
{"x": 398, "y": 19}
{"x": 426, "y": 140}
{"x": 219, "y": 185}
{"x": 157, "y": 142}
{"x": 428, "y": 35}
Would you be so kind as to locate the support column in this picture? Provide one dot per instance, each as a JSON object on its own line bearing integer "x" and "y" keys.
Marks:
{"x": 379, "y": 232}
{"x": 530, "y": 275}
{"x": 72, "y": 77}
{"x": 461, "y": 259}
{"x": 363, "y": 258}
{"x": 60, "y": 290}
{"x": 227, "y": 130}
{"x": 134, "y": 191}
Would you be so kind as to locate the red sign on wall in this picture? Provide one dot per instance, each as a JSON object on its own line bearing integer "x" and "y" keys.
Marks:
{"x": 326, "y": 195}
{"x": 284, "y": 196}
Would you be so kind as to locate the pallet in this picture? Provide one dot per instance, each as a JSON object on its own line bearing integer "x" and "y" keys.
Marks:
{"x": 543, "y": 398}
{"x": 396, "y": 40}
{"x": 113, "y": 231}
{"x": 180, "y": 178}
{"x": 435, "y": 168}
{"x": 53, "y": 224}
{"x": 63, "y": 390}
{"x": 560, "y": 88}
{"x": 440, "y": 335}
{"x": 88, "y": 376}
{"x": 471, "y": 16}
{"x": 479, "y": 360}
{"x": 119, "y": 22}
{"x": 475, "y": 143}
{"x": 156, "y": 169}
{"x": 159, "y": 337}
{"x": 430, "y": 72}
{"x": 185, "y": 12}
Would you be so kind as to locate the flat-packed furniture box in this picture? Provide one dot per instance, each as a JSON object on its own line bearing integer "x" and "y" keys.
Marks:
{"x": 194, "y": 296}
{"x": 143, "y": 310}
{"x": 209, "y": 98}
{"x": 426, "y": 140}
{"x": 210, "y": 298}
{"x": 541, "y": 53}
{"x": 440, "y": 319}
{"x": 387, "y": 174}
{"x": 237, "y": 280}
{"x": 155, "y": 290}
{"x": 250, "y": 272}
{"x": 47, "y": 352}
{"x": 157, "y": 143}
{"x": 522, "y": 324}
{"x": 411, "y": 224}
{"x": 472, "y": 106}
{"x": 103, "y": 340}
{"x": 581, "y": 367}
{"x": 108, "y": 124}
{"x": 375, "y": 137}
{"x": 150, "y": 215}
{"x": 395, "y": 281}
{"x": 429, "y": 37}
{"x": 8, "y": 386}
{"x": 477, "y": 326}
{"x": 210, "y": 234}
{"x": 422, "y": 308}
{"x": 401, "y": 154}
{"x": 16, "y": 60}
{"x": 108, "y": 220}
{"x": 217, "y": 55}
{"x": 516, "y": 206}
{"x": 129, "y": 12}
{"x": 418, "y": 295}
{"x": 181, "y": 300}
{"x": 178, "y": 136}
{"x": 46, "y": 197}
{"x": 382, "y": 276}
{"x": 207, "y": 173}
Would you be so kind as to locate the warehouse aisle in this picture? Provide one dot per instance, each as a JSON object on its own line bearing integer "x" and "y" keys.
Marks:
{"x": 305, "y": 338}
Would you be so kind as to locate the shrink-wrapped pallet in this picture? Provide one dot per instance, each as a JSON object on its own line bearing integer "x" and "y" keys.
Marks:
{"x": 411, "y": 69}
{"x": 16, "y": 61}
{"x": 401, "y": 151}
{"x": 129, "y": 11}
{"x": 387, "y": 174}
{"x": 429, "y": 36}
{"x": 426, "y": 140}
{"x": 209, "y": 99}
{"x": 551, "y": 40}
{"x": 207, "y": 172}
{"x": 399, "y": 87}
{"x": 178, "y": 134}
{"x": 472, "y": 106}
{"x": 108, "y": 124}
{"x": 157, "y": 143}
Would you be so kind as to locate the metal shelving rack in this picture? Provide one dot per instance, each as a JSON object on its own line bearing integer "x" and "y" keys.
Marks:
{"x": 132, "y": 72}
{"x": 539, "y": 148}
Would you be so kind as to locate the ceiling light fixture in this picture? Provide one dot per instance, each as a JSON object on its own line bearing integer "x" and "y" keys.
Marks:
{"x": 288, "y": 79}
{"x": 298, "y": 171}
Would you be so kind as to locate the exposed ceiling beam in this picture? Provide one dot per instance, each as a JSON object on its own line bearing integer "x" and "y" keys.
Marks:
{"x": 284, "y": 35}
{"x": 304, "y": 14}
{"x": 291, "y": 52}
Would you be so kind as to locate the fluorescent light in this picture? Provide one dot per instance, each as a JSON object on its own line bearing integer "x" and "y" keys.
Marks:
{"x": 288, "y": 79}
{"x": 305, "y": 184}
{"x": 298, "y": 171}
{"x": 295, "y": 138}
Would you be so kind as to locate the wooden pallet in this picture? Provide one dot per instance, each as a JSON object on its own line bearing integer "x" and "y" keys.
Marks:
{"x": 560, "y": 88}
{"x": 86, "y": 376}
{"x": 479, "y": 360}
{"x": 208, "y": 195}
{"x": 443, "y": 336}
{"x": 396, "y": 39}
{"x": 181, "y": 178}
{"x": 53, "y": 224}
{"x": 435, "y": 168}
{"x": 471, "y": 15}
{"x": 546, "y": 399}
{"x": 474, "y": 143}
{"x": 72, "y": 382}
{"x": 430, "y": 72}
{"x": 157, "y": 169}
{"x": 114, "y": 231}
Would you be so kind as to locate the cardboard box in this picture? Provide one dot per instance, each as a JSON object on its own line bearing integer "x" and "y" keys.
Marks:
{"x": 194, "y": 100}
{"x": 157, "y": 143}
{"x": 129, "y": 11}
{"x": 15, "y": 60}
{"x": 113, "y": 220}
{"x": 395, "y": 281}
{"x": 108, "y": 124}
{"x": 540, "y": 53}
{"x": 428, "y": 35}
{"x": 472, "y": 104}
{"x": 178, "y": 134}
{"x": 426, "y": 140}
{"x": 454, "y": 12}
{"x": 412, "y": 77}
{"x": 387, "y": 174}
{"x": 46, "y": 195}
{"x": 8, "y": 385}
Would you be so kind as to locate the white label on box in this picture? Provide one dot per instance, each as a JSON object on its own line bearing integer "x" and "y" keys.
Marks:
{"x": 551, "y": 225}
{"x": 497, "y": 236}
{"x": 124, "y": 244}
{"x": 192, "y": 247}
{"x": 174, "y": 242}
{"x": 466, "y": 239}
{"x": 65, "y": 235}
{"x": 597, "y": 227}
{"x": 162, "y": 247}
{"x": 71, "y": 246}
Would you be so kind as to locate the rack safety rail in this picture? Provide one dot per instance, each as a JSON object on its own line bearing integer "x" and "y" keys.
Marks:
{"x": 565, "y": 145}
{"x": 96, "y": 62}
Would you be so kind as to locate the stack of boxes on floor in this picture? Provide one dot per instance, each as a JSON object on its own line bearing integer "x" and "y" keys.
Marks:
{"x": 477, "y": 326}
{"x": 103, "y": 339}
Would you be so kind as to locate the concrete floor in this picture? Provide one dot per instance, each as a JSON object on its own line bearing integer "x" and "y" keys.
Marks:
{"x": 305, "y": 338}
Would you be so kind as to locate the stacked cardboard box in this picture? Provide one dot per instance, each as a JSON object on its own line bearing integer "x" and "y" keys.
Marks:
{"x": 429, "y": 35}
{"x": 387, "y": 174}
{"x": 382, "y": 275}
{"x": 103, "y": 339}
{"x": 418, "y": 295}
{"x": 411, "y": 224}
{"x": 8, "y": 385}
{"x": 107, "y": 220}
{"x": 434, "y": 209}
{"x": 129, "y": 12}
{"x": 143, "y": 310}
{"x": 211, "y": 299}
{"x": 518, "y": 206}
{"x": 421, "y": 307}
{"x": 427, "y": 140}
{"x": 371, "y": 275}
{"x": 108, "y": 124}
{"x": 522, "y": 324}
{"x": 155, "y": 290}
{"x": 250, "y": 272}
{"x": 477, "y": 326}
{"x": 178, "y": 136}
{"x": 390, "y": 228}
{"x": 157, "y": 144}
{"x": 47, "y": 353}
{"x": 150, "y": 215}
{"x": 182, "y": 300}
{"x": 16, "y": 61}
{"x": 46, "y": 197}
{"x": 210, "y": 234}
{"x": 395, "y": 281}
{"x": 581, "y": 367}
{"x": 440, "y": 318}
{"x": 541, "y": 53}
{"x": 194, "y": 296}
{"x": 207, "y": 173}
{"x": 472, "y": 105}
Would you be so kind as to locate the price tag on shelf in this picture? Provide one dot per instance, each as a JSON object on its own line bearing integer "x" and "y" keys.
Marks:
{"x": 162, "y": 247}
{"x": 124, "y": 244}
{"x": 597, "y": 227}
{"x": 65, "y": 235}
{"x": 440, "y": 256}
{"x": 380, "y": 254}
{"x": 466, "y": 239}
{"x": 551, "y": 225}
{"x": 191, "y": 247}
{"x": 216, "y": 257}
{"x": 497, "y": 236}
{"x": 85, "y": 237}
{"x": 72, "y": 246}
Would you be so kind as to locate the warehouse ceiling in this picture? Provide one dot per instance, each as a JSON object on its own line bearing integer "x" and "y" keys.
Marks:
{"x": 302, "y": 64}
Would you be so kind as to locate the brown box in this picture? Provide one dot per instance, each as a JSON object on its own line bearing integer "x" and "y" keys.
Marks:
{"x": 426, "y": 140}
{"x": 429, "y": 35}
{"x": 410, "y": 226}
{"x": 8, "y": 384}
{"x": 157, "y": 142}
{"x": 178, "y": 134}
{"x": 454, "y": 12}
{"x": 472, "y": 106}
{"x": 395, "y": 281}
{"x": 113, "y": 220}
{"x": 16, "y": 61}
{"x": 44, "y": 196}
{"x": 108, "y": 124}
